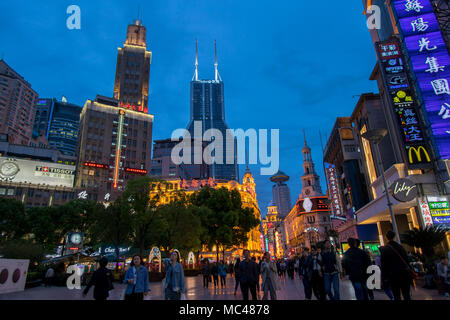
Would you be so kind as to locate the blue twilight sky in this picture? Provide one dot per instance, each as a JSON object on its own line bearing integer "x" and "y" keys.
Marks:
{"x": 288, "y": 65}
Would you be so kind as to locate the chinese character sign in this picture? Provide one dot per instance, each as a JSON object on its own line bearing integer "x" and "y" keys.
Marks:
{"x": 404, "y": 105}
{"x": 431, "y": 64}
{"x": 334, "y": 192}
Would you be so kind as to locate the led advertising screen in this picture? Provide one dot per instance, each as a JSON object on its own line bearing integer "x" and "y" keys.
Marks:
{"x": 36, "y": 172}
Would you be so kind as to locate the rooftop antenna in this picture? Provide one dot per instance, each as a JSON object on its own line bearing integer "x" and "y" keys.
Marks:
{"x": 304, "y": 136}
{"x": 217, "y": 75}
{"x": 196, "y": 61}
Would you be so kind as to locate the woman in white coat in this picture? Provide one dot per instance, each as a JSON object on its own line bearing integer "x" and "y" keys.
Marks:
{"x": 270, "y": 281}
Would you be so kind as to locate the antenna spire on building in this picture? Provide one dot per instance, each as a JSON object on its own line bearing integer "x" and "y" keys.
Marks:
{"x": 217, "y": 75}
{"x": 304, "y": 136}
{"x": 196, "y": 62}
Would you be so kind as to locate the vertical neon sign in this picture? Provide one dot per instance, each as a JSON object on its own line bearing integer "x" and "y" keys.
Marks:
{"x": 118, "y": 148}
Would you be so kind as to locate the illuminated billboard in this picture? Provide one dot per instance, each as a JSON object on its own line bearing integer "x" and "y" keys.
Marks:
{"x": 36, "y": 172}
{"x": 430, "y": 62}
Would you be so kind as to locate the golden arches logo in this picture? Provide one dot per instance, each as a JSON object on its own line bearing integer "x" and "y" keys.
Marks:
{"x": 418, "y": 154}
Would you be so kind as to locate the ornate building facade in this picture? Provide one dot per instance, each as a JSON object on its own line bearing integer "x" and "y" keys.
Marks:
{"x": 309, "y": 220}
{"x": 248, "y": 197}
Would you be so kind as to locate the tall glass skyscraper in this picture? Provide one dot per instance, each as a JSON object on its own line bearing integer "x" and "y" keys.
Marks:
{"x": 58, "y": 121}
{"x": 208, "y": 107}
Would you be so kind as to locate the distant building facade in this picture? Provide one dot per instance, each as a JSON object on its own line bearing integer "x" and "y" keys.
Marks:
{"x": 17, "y": 106}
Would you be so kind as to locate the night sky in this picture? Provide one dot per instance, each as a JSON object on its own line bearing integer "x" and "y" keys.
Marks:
{"x": 288, "y": 65}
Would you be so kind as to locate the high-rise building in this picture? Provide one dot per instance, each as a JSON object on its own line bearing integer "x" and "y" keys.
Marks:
{"x": 281, "y": 193}
{"x": 163, "y": 167}
{"x": 208, "y": 109}
{"x": 114, "y": 147}
{"x": 17, "y": 106}
{"x": 131, "y": 86}
{"x": 58, "y": 121}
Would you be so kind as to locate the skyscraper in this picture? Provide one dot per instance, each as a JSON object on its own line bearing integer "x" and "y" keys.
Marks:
{"x": 58, "y": 121}
{"x": 208, "y": 108}
{"x": 17, "y": 106}
{"x": 114, "y": 147}
{"x": 281, "y": 193}
{"x": 131, "y": 87}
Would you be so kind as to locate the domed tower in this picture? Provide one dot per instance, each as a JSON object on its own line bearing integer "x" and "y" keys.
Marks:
{"x": 249, "y": 182}
{"x": 310, "y": 179}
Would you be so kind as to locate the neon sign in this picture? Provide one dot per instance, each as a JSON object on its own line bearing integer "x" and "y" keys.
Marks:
{"x": 430, "y": 62}
{"x": 138, "y": 108}
{"x": 139, "y": 171}
{"x": 96, "y": 165}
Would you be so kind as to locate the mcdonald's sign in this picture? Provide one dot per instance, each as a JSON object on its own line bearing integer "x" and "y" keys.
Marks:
{"x": 420, "y": 155}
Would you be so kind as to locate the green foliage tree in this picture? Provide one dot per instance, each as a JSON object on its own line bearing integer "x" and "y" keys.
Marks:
{"x": 143, "y": 207}
{"x": 225, "y": 220}
{"x": 425, "y": 239}
{"x": 113, "y": 225}
{"x": 43, "y": 223}
{"x": 182, "y": 226}
{"x": 13, "y": 224}
{"x": 22, "y": 249}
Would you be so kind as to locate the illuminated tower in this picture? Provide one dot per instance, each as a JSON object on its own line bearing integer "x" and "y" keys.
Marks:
{"x": 208, "y": 109}
{"x": 310, "y": 179}
{"x": 131, "y": 87}
{"x": 281, "y": 193}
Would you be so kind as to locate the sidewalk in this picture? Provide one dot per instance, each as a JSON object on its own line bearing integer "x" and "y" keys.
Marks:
{"x": 291, "y": 290}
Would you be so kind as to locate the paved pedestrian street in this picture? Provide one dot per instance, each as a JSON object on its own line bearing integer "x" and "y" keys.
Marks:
{"x": 291, "y": 290}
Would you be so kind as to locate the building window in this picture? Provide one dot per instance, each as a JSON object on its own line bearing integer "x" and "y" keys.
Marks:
{"x": 2, "y": 191}
{"x": 10, "y": 192}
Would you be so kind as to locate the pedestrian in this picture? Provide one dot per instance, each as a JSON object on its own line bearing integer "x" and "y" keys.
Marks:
{"x": 283, "y": 269}
{"x": 305, "y": 272}
{"x": 49, "y": 276}
{"x": 136, "y": 279}
{"x": 206, "y": 273}
{"x": 395, "y": 268}
{"x": 355, "y": 264}
{"x": 101, "y": 280}
{"x": 317, "y": 283}
{"x": 174, "y": 285}
{"x": 248, "y": 276}
{"x": 279, "y": 267}
{"x": 236, "y": 274}
{"x": 270, "y": 281}
{"x": 291, "y": 268}
{"x": 443, "y": 272}
{"x": 223, "y": 274}
{"x": 331, "y": 270}
{"x": 258, "y": 270}
{"x": 384, "y": 282}
{"x": 215, "y": 274}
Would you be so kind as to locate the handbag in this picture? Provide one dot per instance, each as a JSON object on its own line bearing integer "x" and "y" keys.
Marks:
{"x": 414, "y": 274}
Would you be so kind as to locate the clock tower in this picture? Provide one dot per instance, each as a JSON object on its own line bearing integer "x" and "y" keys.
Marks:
{"x": 310, "y": 179}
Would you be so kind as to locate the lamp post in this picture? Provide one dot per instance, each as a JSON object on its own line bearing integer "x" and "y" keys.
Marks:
{"x": 375, "y": 136}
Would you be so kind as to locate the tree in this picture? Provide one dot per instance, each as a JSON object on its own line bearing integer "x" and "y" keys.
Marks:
{"x": 113, "y": 224}
{"x": 225, "y": 220}
{"x": 183, "y": 227}
{"x": 13, "y": 224}
{"x": 43, "y": 226}
{"x": 425, "y": 239}
{"x": 22, "y": 249}
{"x": 143, "y": 207}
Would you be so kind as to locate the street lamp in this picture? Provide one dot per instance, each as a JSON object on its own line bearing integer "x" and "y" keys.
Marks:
{"x": 375, "y": 136}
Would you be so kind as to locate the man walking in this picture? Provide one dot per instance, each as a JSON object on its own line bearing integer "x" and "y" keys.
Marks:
{"x": 316, "y": 281}
{"x": 355, "y": 264}
{"x": 305, "y": 272}
{"x": 395, "y": 268}
{"x": 331, "y": 270}
{"x": 248, "y": 276}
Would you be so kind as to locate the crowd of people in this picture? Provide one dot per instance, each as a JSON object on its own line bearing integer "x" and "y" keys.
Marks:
{"x": 320, "y": 269}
